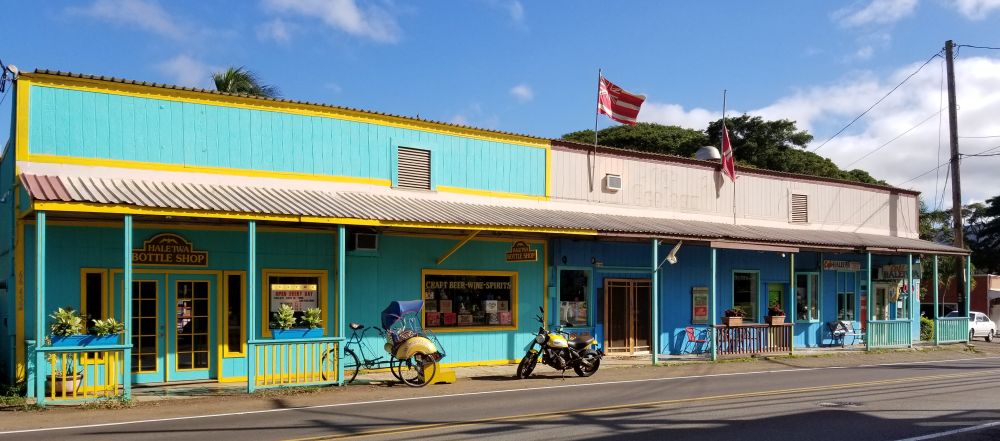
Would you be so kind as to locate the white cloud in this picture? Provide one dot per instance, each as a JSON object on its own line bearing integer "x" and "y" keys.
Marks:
{"x": 275, "y": 30}
{"x": 876, "y": 12}
{"x": 459, "y": 119}
{"x": 333, "y": 87}
{"x": 143, "y": 14}
{"x": 976, "y": 9}
{"x": 185, "y": 70}
{"x": 522, "y": 93}
{"x": 516, "y": 11}
{"x": 373, "y": 21}
{"x": 675, "y": 115}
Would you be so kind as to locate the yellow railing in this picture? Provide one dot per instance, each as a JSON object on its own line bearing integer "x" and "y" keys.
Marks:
{"x": 296, "y": 362}
{"x": 82, "y": 375}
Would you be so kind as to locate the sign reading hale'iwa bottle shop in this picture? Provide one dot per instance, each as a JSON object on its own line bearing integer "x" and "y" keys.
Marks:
{"x": 168, "y": 249}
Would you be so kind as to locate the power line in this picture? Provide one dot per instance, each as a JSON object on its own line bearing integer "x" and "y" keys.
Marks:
{"x": 937, "y": 177}
{"x": 922, "y": 174}
{"x": 978, "y": 47}
{"x": 848, "y": 166}
{"x": 980, "y": 137}
{"x": 944, "y": 188}
{"x": 938, "y": 54}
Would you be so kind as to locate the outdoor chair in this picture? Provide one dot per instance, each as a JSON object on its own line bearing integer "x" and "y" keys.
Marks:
{"x": 840, "y": 330}
{"x": 693, "y": 339}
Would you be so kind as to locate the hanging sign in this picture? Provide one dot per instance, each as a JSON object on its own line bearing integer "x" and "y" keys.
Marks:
{"x": 893, "y": 272}
{"x": 168, "y": 249}
{"x": 841, "y": 265}
{"x": 521, "y": 252}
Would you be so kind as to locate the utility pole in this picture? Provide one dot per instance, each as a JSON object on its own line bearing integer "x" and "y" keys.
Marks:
{"x": 956, "y": 179}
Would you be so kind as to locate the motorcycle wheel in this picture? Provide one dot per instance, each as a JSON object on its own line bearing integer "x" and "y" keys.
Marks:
{"x": 527, "y": 365}
{"x": 593, "y": 358}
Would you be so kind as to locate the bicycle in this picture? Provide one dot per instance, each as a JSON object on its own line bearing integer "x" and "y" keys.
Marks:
{"x": 353, "y": 364}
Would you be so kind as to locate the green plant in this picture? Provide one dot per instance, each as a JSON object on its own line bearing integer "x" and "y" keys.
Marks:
{"x": 312, "y": 318}
{"x": 775, "y": 311}
{"x": 284, "y": 318}
{"x": 735, "y": 311}
{"x": 66, "y": 322}
{"x": 107, "y": 327}
{"x": 926, "y": 329}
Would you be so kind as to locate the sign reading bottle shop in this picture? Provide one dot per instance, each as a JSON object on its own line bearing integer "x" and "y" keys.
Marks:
{"x": 168, "y": 249}
{"x": 521, "y": 252}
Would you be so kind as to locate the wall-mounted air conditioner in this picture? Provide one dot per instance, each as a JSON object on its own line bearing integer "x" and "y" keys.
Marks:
{"x": 613, "y": 182}
{"x": 364, "y": 242}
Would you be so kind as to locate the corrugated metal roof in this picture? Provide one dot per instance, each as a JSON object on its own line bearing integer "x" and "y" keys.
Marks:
{"x": 393, "y": 208}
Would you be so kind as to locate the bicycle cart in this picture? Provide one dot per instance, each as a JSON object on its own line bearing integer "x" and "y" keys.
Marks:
{"x": 412, "y": 353}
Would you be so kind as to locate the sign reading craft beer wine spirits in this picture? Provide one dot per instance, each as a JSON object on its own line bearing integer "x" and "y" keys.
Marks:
{"x": 168, "y": 249}
{"x": 521, "y": 252}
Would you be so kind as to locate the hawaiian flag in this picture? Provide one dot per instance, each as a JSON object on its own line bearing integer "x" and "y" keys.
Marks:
{"x": 618, "y": 104}
{"x": 728, "y": 167}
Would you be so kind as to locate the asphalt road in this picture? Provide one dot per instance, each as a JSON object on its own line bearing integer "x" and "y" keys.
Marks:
{"x": 881, "y": 402}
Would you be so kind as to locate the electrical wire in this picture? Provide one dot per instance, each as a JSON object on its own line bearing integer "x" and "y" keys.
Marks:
{"x": 848, "y": 166}
{"x": 937, "y": 178}
{"x": 979, "y": 137}
{"x": 944, "y": 189}
{"x": 978, "y": 47}
{"x": 938, "y": 54}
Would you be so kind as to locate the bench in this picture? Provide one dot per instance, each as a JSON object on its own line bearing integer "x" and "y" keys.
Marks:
{"x": 840, "y": 329}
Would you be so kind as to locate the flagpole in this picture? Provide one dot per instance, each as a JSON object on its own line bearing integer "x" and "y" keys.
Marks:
{"x": 597, "y": 115}
{"x": 730, "y": 152}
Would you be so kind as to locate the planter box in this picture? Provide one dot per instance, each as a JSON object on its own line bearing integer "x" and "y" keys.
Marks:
{"x": 64, "y": 388}
{"x": 732, "y": 321}
{"x": 775, "y": 320}
{"x": 84, "y": 340}
{"x": 281, "y": 334}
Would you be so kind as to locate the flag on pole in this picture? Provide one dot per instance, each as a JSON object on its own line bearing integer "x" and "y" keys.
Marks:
{"x": 728, "y": 167}
{"x": 618, "y": 104}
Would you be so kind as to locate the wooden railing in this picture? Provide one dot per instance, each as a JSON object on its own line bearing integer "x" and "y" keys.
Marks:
{"x": 295, "y": 362}
{"x": 754, "y": 339}
{"x": 81, "y": 373}
{"x": 889, "y": 334}
{"x": 952, "y": 329}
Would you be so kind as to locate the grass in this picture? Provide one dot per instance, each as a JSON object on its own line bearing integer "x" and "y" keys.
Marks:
{"x": 12, "y": 398}
{"x": 115, "y": 402}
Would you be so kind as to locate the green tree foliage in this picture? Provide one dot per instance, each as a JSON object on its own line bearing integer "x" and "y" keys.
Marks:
{"x": 646, "y": 137}
{"x": 240, "y": 81}
{"x": 983, "y": 235}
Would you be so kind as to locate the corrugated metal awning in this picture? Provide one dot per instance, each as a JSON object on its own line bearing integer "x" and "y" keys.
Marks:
{"x": 259, "y": 200}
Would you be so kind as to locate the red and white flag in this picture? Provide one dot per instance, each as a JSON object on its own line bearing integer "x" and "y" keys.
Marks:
{"x": 618, "y": 104}
{"x": 728, "y": 167}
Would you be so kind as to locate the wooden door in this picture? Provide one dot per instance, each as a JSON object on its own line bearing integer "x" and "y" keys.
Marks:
{"x": 627, "y": 315}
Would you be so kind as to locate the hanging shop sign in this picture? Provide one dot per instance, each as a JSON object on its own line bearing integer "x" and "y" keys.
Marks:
{"x": 841, "y": 265}
{"x": 893, "y": 272}
{"x": 168, "y": 249}
{"x": 699, "y": 305}
{"x": 521, "y": 252}
{"x": 299, "y": 296}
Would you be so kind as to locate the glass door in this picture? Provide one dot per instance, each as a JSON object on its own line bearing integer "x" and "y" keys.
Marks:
{"x": 148, "y": 331}
{"x": 628, "y": 319}
{"x": 192, "y": 345}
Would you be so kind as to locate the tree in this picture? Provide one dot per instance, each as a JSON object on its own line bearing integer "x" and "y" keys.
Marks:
{"x": 983, "y": 235}
{"x": 240, "y": 81}
{"x": 646, "y": 137}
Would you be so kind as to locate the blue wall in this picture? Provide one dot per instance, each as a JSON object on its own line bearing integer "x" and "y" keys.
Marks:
{"x": 107, "y": 126}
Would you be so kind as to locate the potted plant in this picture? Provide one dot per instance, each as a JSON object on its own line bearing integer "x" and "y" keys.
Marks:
{"x": 64, "y": 378}
{"x": 284, "y": 323}
{"x": 106, "y": 331}
{"x": 67, "y": 328}
{"x": 734, "y": 316}
{"x": 775, "y": 315}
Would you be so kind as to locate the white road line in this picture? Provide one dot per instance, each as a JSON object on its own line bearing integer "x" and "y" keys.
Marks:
{"x": 953, "y": 432}
{"x": 465, "y": 394}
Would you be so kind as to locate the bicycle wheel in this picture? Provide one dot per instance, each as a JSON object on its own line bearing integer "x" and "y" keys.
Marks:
{"x": 351, "y": 365}
{"x": 418, "y": 370}
{"x": 394, "y": 364}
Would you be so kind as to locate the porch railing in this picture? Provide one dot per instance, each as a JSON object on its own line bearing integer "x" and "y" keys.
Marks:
{"x": 889, "y": 334}
{"x": 80, "y": 373}
{"x": 952, "y": 329}
{"x": 754, "y": 339}
{"x": 295, "y": 362}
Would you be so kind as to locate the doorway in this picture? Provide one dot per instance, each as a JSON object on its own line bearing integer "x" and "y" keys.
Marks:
{"x": 885, "y": 295}
{"x": 627, "y": 316}
{"x": 172, "y": 319}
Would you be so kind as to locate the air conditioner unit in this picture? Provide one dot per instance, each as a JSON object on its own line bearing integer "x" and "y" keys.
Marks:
{"x": 365, "y": 242}
{"x": 613, "y": 182}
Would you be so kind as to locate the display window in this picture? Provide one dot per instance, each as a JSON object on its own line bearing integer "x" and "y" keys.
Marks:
{"x": 574, "y": 297}
{"x": 299, "y": 289}
{"x": 469, "y": 300}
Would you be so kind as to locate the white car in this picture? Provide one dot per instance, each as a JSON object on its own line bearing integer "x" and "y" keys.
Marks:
{"x": 980, "y": 325}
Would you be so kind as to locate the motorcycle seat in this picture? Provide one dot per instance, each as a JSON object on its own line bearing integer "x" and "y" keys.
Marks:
{"x": 581, "y": 342}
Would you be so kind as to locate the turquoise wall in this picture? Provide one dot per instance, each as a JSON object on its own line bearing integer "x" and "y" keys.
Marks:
{"x": 7, "y": 296}
{"x": 106, "y": 126}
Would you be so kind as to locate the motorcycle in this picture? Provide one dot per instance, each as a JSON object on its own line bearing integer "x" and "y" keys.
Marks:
{"x": 561, "y": 353}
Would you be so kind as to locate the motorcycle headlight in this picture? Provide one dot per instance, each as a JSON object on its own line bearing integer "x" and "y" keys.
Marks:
{"x": 540, "y": 339}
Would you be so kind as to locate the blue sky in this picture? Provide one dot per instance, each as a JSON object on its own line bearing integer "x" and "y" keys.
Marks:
{"x": 531, "y": 67}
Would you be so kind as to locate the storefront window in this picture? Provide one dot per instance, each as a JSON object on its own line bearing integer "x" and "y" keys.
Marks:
{"x": 300, "y": 290}
{"x": 846, "y": 283}
{"x": 745, "y": 286}
{"x": 233, "y": 314}
{"x": 469, "y": 299}
{"x": 807, "y": 297}
{"x": 574, "y": 295}
{"x": 93, "y": 294}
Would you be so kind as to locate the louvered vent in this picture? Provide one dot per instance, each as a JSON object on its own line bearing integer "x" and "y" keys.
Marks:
{"x": 414, "y": 169}
{"x": 800, "y": 209}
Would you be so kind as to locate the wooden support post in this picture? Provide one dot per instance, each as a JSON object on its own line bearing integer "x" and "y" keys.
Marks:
{"x": 654, "y": 339}
{"x": 909, "y": 297}
{"x": 40, "y": 363}
{"x": 936, "y": 311}
{"x": 341, "y": 298}
{"x": 457, "y": 246}
{"x": 868, "y": 302}
{"x": 711, "y": 309}
{"x": 127, "y": 304}
{"x": 251, "y": 300}
{"x": 791, "y": 292}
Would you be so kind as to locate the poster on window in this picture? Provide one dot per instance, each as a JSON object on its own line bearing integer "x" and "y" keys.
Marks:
{"x": 466, "y": 298}
{"x": 299, "y": 296}
{"x": 699, "y": 305}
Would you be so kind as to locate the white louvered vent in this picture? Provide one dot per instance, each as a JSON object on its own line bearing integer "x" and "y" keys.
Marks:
{"x": 800, "y": 209}
{"x": 414, "y": 169}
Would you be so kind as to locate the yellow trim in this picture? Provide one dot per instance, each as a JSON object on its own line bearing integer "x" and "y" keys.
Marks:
{"x": 478, "y": 363}
{"x": 548, "y": 173}
{"x": 19, "y": 336}
{"x": 23, "y": 95}
{"x": 265, "y": 298}
{"x": 457, "y": 246}
{"x": 187, "y": 96}
{"x": 172, "y": 283}
{"x": 490, "y": 193}
{"x": 141, "y": 165}
{"x": 88, "y": 207}
{"x": 449, "y": 272}
{"x": 223, "y": 323}
{"x": 242, "y": 379}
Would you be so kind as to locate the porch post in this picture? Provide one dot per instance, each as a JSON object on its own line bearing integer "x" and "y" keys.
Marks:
{"x": 41, "y": 368}
{"x": 791, "y": 291}
{"x": 868, "y": 302}
{"x": 968, "y": 283}
{"x": 341, "y": 298}
{"x": 936, "y": 313}
{"x": 654, "y": 340}
{"x": 127, "y": 304}
{"x": 711, "y": 311}
{"x": 909, "y": 297}
{"x": 251, "y": 304}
